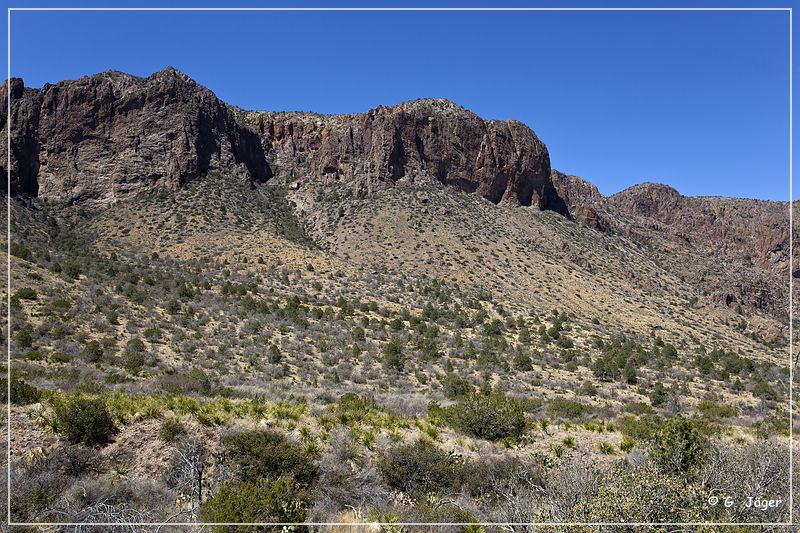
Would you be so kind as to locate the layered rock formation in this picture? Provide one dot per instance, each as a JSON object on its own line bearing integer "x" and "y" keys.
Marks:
{"x": 110, "y": 136}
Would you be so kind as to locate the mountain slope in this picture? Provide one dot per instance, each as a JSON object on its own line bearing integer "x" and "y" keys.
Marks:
{"x": 409, "y": 284}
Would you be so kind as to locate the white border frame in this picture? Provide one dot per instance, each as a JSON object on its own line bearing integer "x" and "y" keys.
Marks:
{"x": 374, "y": 524}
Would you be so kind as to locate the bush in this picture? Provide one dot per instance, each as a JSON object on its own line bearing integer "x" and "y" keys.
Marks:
{"x": 642, "y": 495}
{"x": 171, "y": 429}
{"x": 678, "y": 447}
{"x": 24, "y": 338}
{"x": 92, "y": 352}
{"x": 568, "y": 409}
{"x": 487, "y": 416}
{"x": 133, "y": 361}
{"x": 523, "y": 362}
{"x": 20, "y": 250}
{"x": 642, "y": 428}
{"x": 84, "y": 420}
{"x": 393, "y": 357}
{"x": 268, "y": 455}
{"x": 455, "y": 386}
{"x": 22, "y": 393}
{"x": 419, "y": 468}
{"x": 76, "y": 460}
{"x": 354, "y": 408}
{"x": 658, "y": 396}
{"x": 280, "y": 500}
{"x": 26, "y": 293}
{"x": 713, "y": 409}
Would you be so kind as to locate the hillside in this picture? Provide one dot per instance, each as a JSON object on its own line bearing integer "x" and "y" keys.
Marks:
{"x": 414, "y": 281}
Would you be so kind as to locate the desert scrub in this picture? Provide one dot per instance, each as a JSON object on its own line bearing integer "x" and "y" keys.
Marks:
{"x": 561, "y": 408}
{"x": 353, "y": 410}
{"x": 211, "y": 412}
{"x": 261, "y": 455}
{"x": 419, "y": 468}
{"x": 486, "y": 416}
{"x": 21, "y": 392}
{"x": 678, "y": 447}
{"x": 643, "y": 495}
{"x": 171, "y": 429}
{"x": 83, "y": 420}
{"x": 259, "y": 501}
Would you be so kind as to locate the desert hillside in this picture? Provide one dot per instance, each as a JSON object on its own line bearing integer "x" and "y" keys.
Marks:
{"x": 405, "y": 315}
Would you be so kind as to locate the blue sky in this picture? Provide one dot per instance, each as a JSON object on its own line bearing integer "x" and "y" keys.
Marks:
{"x": 697, "y": 100}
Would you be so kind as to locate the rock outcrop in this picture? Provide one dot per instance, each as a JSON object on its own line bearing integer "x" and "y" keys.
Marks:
{"x": 110, "y": 136}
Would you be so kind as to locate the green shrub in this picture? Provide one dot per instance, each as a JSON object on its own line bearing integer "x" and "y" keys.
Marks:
{"x": 713, "y": 409}
{"x": 26, "y": 293}
{"x": 20, "y": 250}
{"x": 419, "y": 468}
{"x": 606, "y": 448}
{"x": 642, "y": 495}
{"x": 268, "y": 455}
{"x": 638, "y": 408}
{"x": 627, "y": 444}
{"x": 72, "y": 270}
{"x": 763, "y": 390}
{"x": 658, "y": 396}
{"x": 354, "y": 408}
{"x": 455, "y": 386}
{"x": 133, "y": 361}
{"x": 23, "y": 393}
{"x": 24, "y": 338}
{"x": 678, "y": 447}
{"x": 392, "y": 355}
{"x": 523, "y": 362}
{"x": 587, "y": 388}
{"x": 171, "y": 429}
{"x": 280, "y": 500}
{"x": 92, "y": 352}
{"x": 487, "y": 416}
{"x": 568, "y": 409}
{"x": 641, "y": 428}
{"x": 84, "y": 420}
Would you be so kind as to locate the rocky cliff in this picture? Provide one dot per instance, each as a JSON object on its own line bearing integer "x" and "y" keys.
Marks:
{"x": 111, "y": 136}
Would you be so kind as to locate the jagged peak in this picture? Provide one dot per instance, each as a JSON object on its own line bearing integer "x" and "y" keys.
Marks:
{"x": 170, "y": 72}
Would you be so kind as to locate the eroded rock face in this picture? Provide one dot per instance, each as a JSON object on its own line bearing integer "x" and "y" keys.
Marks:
{"x": 581, "y": 199}
{"x": 755, "y": 231}
{"x": 427, "y": 140}
{"x": 737, "y": 250}
{"x": 110, "y": 136}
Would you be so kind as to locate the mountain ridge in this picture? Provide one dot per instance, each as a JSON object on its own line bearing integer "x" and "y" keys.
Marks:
{"x": 112, "y": 136}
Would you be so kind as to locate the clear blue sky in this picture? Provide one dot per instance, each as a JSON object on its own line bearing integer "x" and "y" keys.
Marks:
{"x": 697, "y": 100}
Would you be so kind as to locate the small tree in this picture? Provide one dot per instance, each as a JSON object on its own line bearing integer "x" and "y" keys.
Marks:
{"x": 393, "y": 357}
